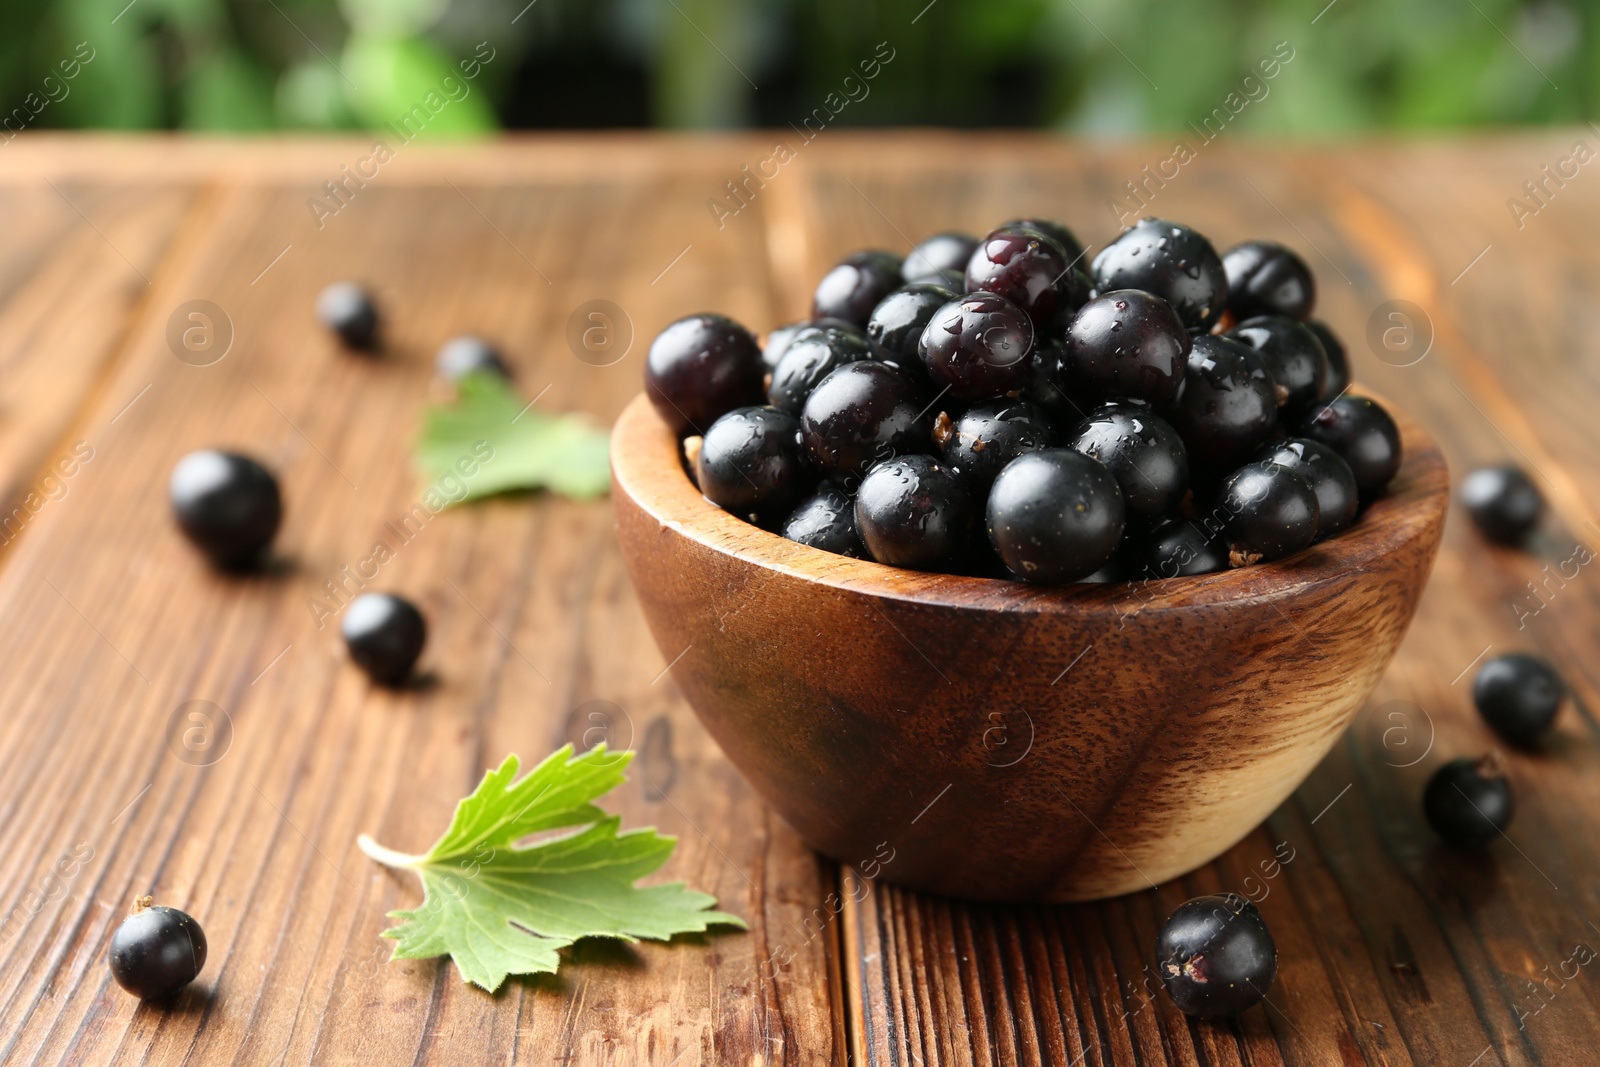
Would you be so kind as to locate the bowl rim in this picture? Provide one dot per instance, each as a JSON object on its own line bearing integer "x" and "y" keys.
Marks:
{"x": 646, "y": 470}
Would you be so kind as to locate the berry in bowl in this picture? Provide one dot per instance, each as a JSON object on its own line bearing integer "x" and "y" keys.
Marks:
{"x": 1055, "y": 583}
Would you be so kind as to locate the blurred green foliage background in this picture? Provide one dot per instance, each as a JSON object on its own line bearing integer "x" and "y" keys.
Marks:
{"x": 1095, "y": 65}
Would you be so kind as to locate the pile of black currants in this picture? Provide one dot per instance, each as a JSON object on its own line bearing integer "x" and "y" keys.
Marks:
{"x": 1170, "y": 412}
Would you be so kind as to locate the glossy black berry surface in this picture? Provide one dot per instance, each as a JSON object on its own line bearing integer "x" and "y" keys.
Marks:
{"x": 1170, "y": 261}
{"x": 700, "y": 368}
{"x": 978, "y": 346}
{"x": 385, "y": 635}
{"x": 853, "y": 288}
{"x": 157, "y": 951}
{"x": 864, "y": 413}
{"x": 1127, "y": 344}
{"x": 1338, "y": 379}
{"x": 1026, "y": 267}
{"x": 1216, "y": 956}
{"x": 1468, "y": 801}
{"x": 1176, "y": 548}
{"x": 981, "y": 440}
{"x": 813, "y": 354}
{"x": 895, "y": 329}
{"x": 1268, "y": 511}
{"x": 461, "y": 356}
{"x": 1292, "y": 355}
{"x": 778, "y": 341}
{"x": 1504, "y": 503}
{"x": 750, "y": 462}
{"x": 1143, "y": 452}
{"x": 1360, "y": 430}
{"x": 227, "y": 504}
{"x": 941, "y": 259}
{"x": 1053, "y": 229}
{"x": 1228, "y": 406}
{"x": 1330, "y": 476}
{"x": 348, "y": 310}
{"x": 1518, "y": 695}
{"x": 1054, "y": 516}
{"x": 914, "y": 512}
{"x": 1265, "y": 278}
{"x": 826, "y": 520}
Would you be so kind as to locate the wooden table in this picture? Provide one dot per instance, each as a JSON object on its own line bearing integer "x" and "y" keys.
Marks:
{"x": 1392, "y": 950}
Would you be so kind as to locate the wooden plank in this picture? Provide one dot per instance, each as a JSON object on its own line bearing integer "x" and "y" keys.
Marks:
{"x": 532, "y": 621}
{"x": 1392, "y": 949}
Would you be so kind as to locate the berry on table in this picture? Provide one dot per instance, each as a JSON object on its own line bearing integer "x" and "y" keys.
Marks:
{"x": 385, "y": 635}
{"x": 1518, "y": 695}
{"x": 1330, "y": 476}
{"x": 914, "y": 512}
{"x": 461, "y": 356}
{"x": 347, "y": 309}
{"x": 941, "y": 259}
{"x": 1054, "y": 516}
{"x": 1170, "y": 261}
{"x": 1271, "y": 512}
{"x": 853, "y": 288}
{"x": 895, "y": 328}
{"x": 1127, "y": 344}
{"x": 1265, "y": 278}
{"x": 978, "y": 346}
{"x": 1504, "y": 503}
{"x": 699, "y": 368}
{"x": 1143, "y": 452}
{"x": 1216, "y": 956}
{"x": 156, "y": 951}
{"x": 1292, "y": 355}
{"x": 981, "y": 440}
{"x": 1338, "y": 379}
{"x": 750, "y": 462}
{"x": 227, "y": 504}
{"x": 1024, "y": 266}
{"x": 1361, "y": 431}
{"x": 826, "y": 520}
{"x": 815, "y": 353}
{"x": 862, "y": 413}
{"x": 1468, "y": 801}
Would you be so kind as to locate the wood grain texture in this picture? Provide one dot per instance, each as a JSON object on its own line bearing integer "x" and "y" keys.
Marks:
{"x": 1392, "y": 950}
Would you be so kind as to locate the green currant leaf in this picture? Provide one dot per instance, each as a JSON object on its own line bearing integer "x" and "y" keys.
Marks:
{"x": 499, "y": 910}
{"x": 566, "y": 454}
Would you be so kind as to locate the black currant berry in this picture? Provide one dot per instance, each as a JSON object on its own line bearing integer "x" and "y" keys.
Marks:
{"x": 1363, "y": 433}
{"x": 1143, "y": 452}
{"x": 750, "y": 463}
{"x": 461, "y": 356}
{"x": 1047, "y": 387}
{"x": 1024, "y": 266}
{"x": 815, "y": 353}
{"x": 895, "y": 328}
{"x": 1518, "y": 695}
{"x": 385, "y": 635}
{"x": 853, "y": 288}
{"x": 826, "y": 520}
{"x": 1468, "y": 801}
{"x": 1265, "y": 278}
{"x": 1330, "y": 476}
{"x": 1054, "y": 516}
{"x": 157, "y": 951}
{"x": 700, "y": 368}
{"x": 1054, "y": 230}
{"x": 1170, "y": 261}
{"x": 978, "y": 346}
{"x": 1292, "y": 355}
{"x": 778, "y": 341}
{"x": 1269, "y": 512}
{"x": 227, "y": 504}
{"x": 914, "y": 512}
{"x": 1338, "y": 379}
{"x": 1127, "y": 344}
{"x": 1216, "y": 956}
{"x": 1177, "y": 548}
{"x": 941, "y": 259}
{"x": 1504, "y": 503}
{"x": 1228, "y": 406}
{"x": 863, "y": 413}
{"x": 985, "y": 437}
{"x": 348, "y": 310}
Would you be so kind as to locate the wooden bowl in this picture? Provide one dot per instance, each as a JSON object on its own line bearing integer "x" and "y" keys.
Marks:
{"x": 1000, "y": 741}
